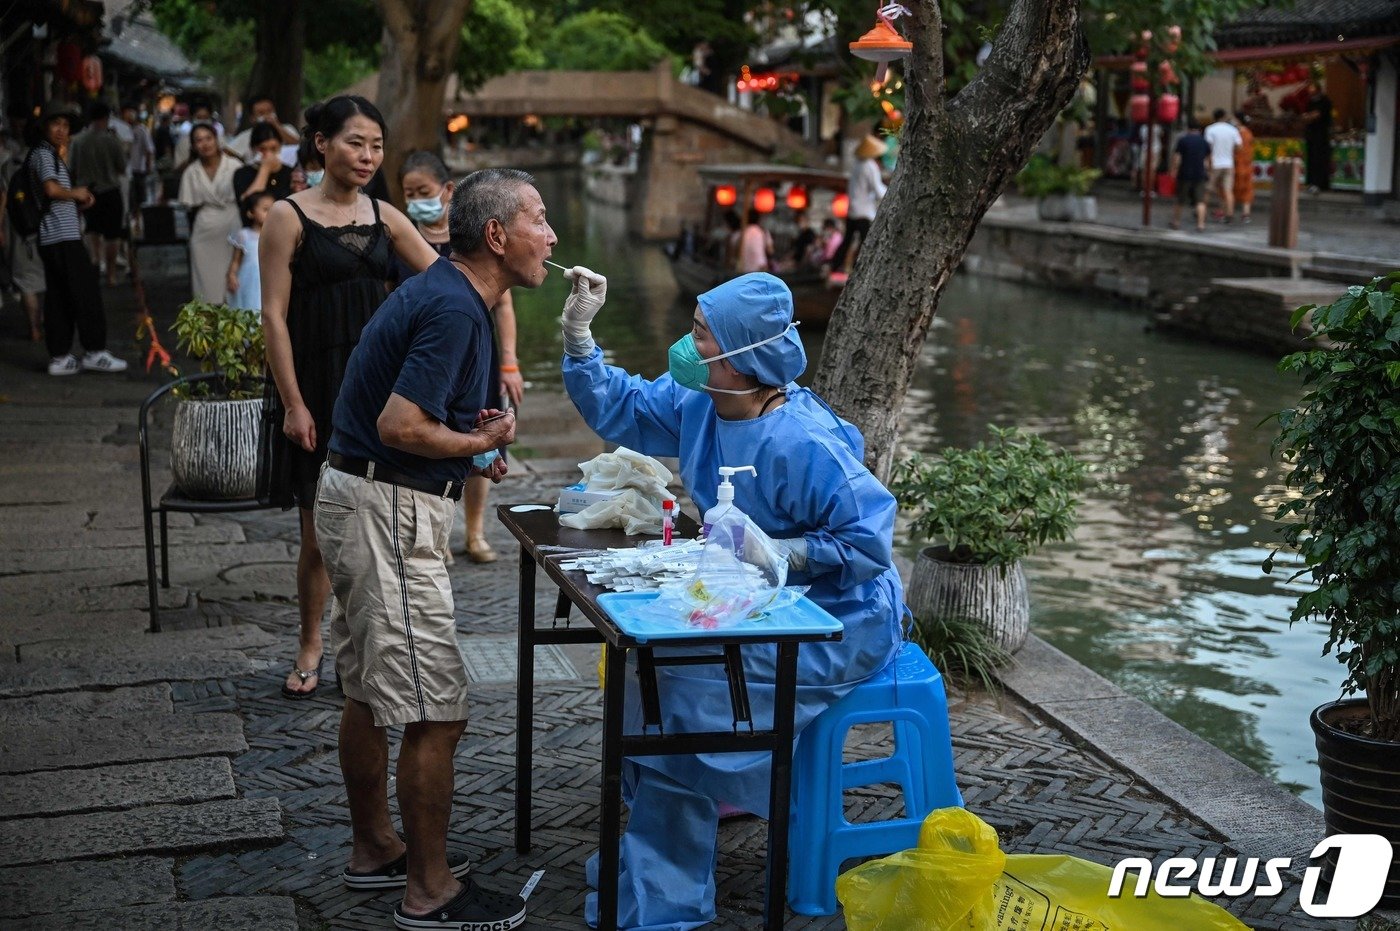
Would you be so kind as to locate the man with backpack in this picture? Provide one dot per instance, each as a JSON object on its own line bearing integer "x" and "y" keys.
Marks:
{"x": 26, "y": 270}
{"x": 74, "y": 296}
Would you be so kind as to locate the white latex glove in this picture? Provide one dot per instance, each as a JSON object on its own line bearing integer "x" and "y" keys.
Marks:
{"x": 580, "y": 307}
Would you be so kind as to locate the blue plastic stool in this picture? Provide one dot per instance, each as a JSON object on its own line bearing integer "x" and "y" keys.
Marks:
{"x": 909, "y": 694}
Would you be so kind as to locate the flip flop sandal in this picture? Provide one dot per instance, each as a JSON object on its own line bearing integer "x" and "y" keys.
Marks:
{"x": 303, "y": 675}
{"x": 393, "y": 875}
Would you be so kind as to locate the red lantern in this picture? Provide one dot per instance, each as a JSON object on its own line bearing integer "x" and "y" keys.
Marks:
{"x": 725, "y": 195}
{"x": 1138, "y": 67}
{"x": 1168, "y": 108}
{"x": 92, "y": 74}
{"x": 797, "y": 198}
{"x": 840, "y": 206}
{"x": 1167, "y": 74}
{"x": 1137, "y": 108}
{"x": 1139, "y": 85}
{"x": 764, "y": 200}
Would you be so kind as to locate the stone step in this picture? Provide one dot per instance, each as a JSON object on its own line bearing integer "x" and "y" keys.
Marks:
{"x": 84, "y": 886}
{"x": 22, "y": 679}
{"x": 37, "y": 709}
{"x": 82, "y": 592}
{"x": 202, "y": 561}
{"x": 171, "y": 643}
{"x": 65, "y": 742}
{"x": 29, "y": 628}
{"x": 69, "y": 791}
{"x": 231, "y": 913}
{"x": 155, "y": 829}
{"x": 14, "y": 540}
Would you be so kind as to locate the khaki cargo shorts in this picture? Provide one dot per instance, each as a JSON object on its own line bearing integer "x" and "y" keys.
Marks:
{"x": 1222, "y": 179}
{"x": 396, "y": 646}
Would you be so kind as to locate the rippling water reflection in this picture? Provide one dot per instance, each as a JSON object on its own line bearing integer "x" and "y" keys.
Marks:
{"x": 1161, "y": 591}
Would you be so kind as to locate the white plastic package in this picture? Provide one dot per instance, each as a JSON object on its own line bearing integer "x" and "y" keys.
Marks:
{"x": 642, "y": 481}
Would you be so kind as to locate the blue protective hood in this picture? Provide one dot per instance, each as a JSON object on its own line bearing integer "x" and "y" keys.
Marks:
{"x": 747, "y": 310}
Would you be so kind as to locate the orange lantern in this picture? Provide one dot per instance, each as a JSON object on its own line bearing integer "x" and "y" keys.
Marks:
{"x": 840, "y": 206}
{"x": 725, "y": 195}
{"x": 764, "y": 200}
{"x": 881, "y": 43}
{"x": 797, "y": 198}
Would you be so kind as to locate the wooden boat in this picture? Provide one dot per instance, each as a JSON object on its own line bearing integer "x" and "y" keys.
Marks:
{"x": 700, "y": 261}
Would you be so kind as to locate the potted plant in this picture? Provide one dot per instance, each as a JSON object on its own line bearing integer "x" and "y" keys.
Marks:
{"x": 1062, "y": 191}
{"x": 1342, "y": 444}
{"x": 984, "y": 509}
{"x": 214, "y": 441}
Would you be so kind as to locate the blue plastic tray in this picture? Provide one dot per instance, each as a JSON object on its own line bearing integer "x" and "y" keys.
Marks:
{"x": 802, "y": 617}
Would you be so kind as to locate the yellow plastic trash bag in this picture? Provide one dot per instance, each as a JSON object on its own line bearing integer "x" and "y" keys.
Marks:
{"x": 958, "y": 879}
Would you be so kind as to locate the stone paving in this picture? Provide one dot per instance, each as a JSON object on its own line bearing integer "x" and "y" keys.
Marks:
{"x": 161, "y": 781}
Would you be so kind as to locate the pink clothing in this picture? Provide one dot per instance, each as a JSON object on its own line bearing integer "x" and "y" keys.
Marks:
{"x": 754, "y": 249}
{"x": 832, "y": 245}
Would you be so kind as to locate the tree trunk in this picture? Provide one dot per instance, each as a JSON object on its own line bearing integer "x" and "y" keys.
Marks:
{"x": 955, "y": 157}
{"x": 420, "y": 47}
{"x": 277, "y": 69}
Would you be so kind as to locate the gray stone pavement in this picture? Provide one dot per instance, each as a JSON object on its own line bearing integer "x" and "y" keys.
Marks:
{"x": 161, "y": 781}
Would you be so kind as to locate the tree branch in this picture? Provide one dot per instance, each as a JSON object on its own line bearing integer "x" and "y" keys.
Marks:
{"x": 1027, "y": 58}
{"x": 924, "y": 74}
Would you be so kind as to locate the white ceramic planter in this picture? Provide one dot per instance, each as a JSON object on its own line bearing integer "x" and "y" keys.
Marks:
{"x": 997, "y": 599}
{"x": 214, "y": 448}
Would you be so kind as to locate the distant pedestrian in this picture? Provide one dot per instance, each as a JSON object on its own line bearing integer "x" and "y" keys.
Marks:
{"x": 1224, "y": 140}
{"x": 411, "y": 417}
{"x": 98, "y": 163}
{"x": 265, "y": 171}
{"x": 73, "y": 299}
{"x": 1189, "y": 160}
{"x": 427, "y": 188}
{"x": 262, "y": 111}
{"x": 865, "y": 188}
{"x": 244, "y": 280}
{"x": 26, "y": 268}
{"x": 1244, "y": 167}
{"x": 206, "y": 188}
{"x": 324, "y": 255}
{"x": 755, "y": 246}
{"x": 141, "y": 160}
{"x": 1317, "y": 138}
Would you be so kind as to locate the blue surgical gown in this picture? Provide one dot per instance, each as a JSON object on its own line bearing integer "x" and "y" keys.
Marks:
{"x": 811, "y": 483}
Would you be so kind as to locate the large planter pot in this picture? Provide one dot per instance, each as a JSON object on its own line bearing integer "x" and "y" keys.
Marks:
{"x": 995, "y": 598}
{"x": 214, "y": 448}
{"x": 1066, "y": 207}
{"x": 1360, "y": 783}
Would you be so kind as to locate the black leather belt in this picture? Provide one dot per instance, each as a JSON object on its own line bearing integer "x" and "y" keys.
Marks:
{"x": 378, "y": 473}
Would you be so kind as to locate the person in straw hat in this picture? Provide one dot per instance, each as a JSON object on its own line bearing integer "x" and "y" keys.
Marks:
{"x": 866, "y": 189}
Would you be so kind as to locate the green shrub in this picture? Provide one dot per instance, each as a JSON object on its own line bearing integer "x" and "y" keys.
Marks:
{"x": 601, "y": 41}
{"x": 1042, "y": 178}
{"x": 226, "y": 340}
{"x": 1342, "y": 442}
{"x": 994, "y": 503}
{"x": 962, "y": 648}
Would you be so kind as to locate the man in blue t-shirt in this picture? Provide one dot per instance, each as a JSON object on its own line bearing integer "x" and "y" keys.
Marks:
{"x": 1189, "y": 166}
{"x": 413, "y": 420}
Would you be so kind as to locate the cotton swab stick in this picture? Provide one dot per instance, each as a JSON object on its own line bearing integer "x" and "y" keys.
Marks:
{"x": 556, "y": 265}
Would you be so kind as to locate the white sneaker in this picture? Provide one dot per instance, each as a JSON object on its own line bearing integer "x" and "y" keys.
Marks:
{"x": 64, "y": 365}
{"x": 102, "y": 361}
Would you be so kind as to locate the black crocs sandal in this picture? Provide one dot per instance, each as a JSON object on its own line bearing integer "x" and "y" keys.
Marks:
{"x": 473, "y": 909}
{"x": 303, "y": 675}
{"x": 394, "y": 874}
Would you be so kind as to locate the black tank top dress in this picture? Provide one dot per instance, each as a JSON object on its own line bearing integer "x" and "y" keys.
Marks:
{"x": 340, "y": 276}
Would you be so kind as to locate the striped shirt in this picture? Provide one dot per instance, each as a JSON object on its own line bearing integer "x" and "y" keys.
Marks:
{"x": 60, "y": 220}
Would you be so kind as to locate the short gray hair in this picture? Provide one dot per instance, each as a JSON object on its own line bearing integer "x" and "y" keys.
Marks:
{"x": 482, "y": 196}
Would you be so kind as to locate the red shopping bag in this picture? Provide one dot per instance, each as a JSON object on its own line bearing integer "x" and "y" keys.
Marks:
{"x": 1166, "y": 185}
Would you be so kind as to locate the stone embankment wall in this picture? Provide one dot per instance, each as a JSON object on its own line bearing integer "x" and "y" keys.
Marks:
{"x": 1237, "y": 294}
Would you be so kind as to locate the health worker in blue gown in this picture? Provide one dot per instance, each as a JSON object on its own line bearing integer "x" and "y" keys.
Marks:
{"x": 729, "y": 399}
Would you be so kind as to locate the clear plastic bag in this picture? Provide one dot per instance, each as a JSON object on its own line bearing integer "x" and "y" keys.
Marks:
{"x": 741, "y": 574}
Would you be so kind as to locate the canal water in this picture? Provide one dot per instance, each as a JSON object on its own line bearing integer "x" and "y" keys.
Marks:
{"x": 1161, "y": 591}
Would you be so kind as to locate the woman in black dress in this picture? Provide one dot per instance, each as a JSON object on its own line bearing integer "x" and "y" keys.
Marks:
{"x": 325, "y": 263}
{"x": 267, "y": 173}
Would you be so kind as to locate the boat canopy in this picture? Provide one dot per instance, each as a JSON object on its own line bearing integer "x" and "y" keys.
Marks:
{"x": 772, "y": 174}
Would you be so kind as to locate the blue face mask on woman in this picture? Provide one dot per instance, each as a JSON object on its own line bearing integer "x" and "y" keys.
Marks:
{"x": 690, "y": 370}
{"x": 427, "y": 210}
{"x": 313, "y": 178}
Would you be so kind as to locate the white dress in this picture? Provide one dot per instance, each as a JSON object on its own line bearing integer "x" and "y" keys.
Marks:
{"x": 217, "y": 220}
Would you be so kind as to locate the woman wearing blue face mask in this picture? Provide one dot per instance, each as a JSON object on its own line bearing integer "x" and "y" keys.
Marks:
{"x": 427, "y": 189}
{"x": 728, "y": 398}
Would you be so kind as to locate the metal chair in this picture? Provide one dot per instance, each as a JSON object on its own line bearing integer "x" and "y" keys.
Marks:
{"x": 172, "y": 500}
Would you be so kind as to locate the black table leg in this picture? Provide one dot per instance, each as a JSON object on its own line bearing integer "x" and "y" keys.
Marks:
{"x": 611, "y": 814}
{"x": 525, "y": 702}
{"x": 784, "y": 702}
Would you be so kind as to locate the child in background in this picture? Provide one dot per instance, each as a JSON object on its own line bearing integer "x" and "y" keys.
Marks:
{"x": 244, "y": 282}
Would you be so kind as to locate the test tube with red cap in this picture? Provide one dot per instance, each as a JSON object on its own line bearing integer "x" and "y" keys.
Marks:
{"x": 667, "y": 521}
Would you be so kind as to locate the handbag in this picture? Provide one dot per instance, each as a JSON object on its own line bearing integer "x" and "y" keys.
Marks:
{"x": 1166, "y": 185}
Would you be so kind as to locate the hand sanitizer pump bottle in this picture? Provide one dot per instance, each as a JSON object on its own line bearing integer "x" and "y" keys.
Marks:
{"x": 725, "y": 494}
